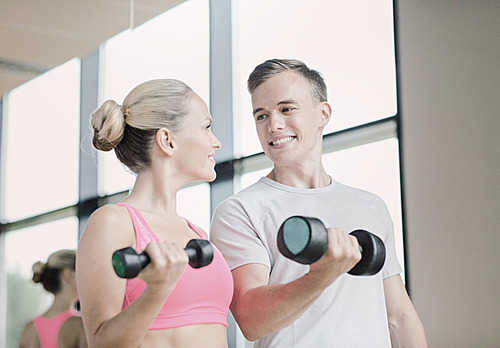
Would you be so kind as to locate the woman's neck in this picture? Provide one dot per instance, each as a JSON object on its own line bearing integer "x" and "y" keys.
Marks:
{"x": 154, "y": 193}
{"x": 63, "y": 301}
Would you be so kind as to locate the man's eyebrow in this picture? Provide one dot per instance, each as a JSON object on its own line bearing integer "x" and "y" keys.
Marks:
{"x": 289, "y": 101}
{"x": 257, "y": 110}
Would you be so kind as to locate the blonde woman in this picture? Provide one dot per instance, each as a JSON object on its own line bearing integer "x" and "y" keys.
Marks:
{"x": 162, "y": 133}
{"x": 60, "y": 326}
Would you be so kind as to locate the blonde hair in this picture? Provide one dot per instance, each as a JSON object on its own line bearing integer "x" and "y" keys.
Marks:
{"x": 49, "y": 273}
{"x": 131, "y": 127}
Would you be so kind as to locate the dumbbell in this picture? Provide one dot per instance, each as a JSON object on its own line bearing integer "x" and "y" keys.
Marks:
{"x": 127, "y": 263}
{"x": 304, "y": 240}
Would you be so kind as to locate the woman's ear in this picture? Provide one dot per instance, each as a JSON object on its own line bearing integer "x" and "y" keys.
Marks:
{"x": 68, "y": 275}
{"x": 165, "y": 140}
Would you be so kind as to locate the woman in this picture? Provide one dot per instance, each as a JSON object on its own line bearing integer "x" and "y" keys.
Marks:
{"x": 60, "y": 326}
{"x": 162, "y": 133}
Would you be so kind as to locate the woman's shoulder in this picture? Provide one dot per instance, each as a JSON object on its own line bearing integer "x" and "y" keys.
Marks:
{"x": 73, "y": 323}
{"x": 29, "y": 336}
{"x": 110, "y": 212}
{"x": 110, "y": 215}
{"x": 109, "y": 221}
{"x": 72, "y": 332}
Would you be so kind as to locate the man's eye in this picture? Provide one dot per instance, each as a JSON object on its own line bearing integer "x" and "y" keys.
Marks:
{"x": 286, "y": 110}
{"x": 260, "y": 117}
{"x": 209, "y": 126}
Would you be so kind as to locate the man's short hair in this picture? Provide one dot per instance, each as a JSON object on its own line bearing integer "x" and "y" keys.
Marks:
{"x": 271, "y": 67}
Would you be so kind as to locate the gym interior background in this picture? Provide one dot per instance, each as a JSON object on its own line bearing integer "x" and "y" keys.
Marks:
{"x": 415, "y": 88}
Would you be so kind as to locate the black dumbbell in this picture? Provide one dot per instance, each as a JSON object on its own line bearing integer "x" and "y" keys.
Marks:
{"x": 127, "y": 263}
{"x": 304, "y": 240}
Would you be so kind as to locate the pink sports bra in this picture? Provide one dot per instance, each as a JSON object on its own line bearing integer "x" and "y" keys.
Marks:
{"x": 48, "y": 328}
{"x": 201, "y": 296}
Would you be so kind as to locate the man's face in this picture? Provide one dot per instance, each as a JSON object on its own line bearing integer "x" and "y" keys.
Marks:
{"x": 289, "y": 120}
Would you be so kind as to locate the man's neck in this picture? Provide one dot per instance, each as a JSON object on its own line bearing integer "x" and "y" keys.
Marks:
{"x": 300, "y": 178}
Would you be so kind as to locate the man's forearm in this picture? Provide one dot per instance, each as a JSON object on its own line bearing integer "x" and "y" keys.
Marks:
{"x": 408, "y": 332}
{"x": 266, "y": 309}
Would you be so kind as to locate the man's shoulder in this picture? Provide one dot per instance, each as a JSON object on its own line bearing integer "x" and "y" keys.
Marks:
{"x": 363, "y": 195}
{"x": 253, "y": 193}
{"x": 249, "y": 202}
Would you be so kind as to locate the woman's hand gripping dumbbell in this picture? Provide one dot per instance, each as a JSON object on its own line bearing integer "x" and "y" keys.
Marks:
{"x": 127, "y": 263}
{"x": 304, "y": 239}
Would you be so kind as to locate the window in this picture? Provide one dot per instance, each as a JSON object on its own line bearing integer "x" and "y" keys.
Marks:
{"x": 41, "y": 127}
{"x": 352, "y": 45}
{"x": 350, "y": 42}
{"x": 151, "y": 51}
{"x": 193, "y": 203}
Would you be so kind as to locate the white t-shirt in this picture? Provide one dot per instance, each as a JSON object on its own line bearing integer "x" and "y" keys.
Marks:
{"x": 351, "y": 312}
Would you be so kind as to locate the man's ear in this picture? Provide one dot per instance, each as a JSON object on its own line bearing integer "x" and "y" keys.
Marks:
{"x": 165, "y": 140}
{"x": 326, "y": 114}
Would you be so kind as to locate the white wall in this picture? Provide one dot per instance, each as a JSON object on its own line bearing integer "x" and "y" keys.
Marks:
{"x": 449, "y": 55}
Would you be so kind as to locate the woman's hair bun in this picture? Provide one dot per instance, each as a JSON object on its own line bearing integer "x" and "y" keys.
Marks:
{"x": 58, "y": 260}
{"x": 108, "y": 123}
{"x": 38, "y": 269}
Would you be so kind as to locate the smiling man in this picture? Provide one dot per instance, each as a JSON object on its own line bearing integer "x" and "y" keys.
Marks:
{"x": 278, "y": 302}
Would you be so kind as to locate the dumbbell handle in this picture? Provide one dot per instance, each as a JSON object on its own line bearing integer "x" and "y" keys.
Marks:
{"x": 144, "y": 259}
{"x": 127, "y": 263}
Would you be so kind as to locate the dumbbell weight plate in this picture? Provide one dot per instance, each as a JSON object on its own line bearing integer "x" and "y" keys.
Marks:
{"x": 301, "y": 239}
{"x": 373, "y": 250}
{"x": 127, "y": 263}
{"x": 200, "y": 252}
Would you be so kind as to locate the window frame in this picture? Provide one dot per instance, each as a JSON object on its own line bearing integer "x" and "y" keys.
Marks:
{"x": 228, "y": 167}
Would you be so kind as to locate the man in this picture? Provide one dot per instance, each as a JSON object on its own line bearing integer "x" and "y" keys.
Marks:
{"x": 281, "y": 303}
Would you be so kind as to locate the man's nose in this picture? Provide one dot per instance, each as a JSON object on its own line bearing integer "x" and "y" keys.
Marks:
{"x": 276, "y": 122}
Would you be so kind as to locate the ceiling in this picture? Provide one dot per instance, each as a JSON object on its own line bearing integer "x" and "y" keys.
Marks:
{"x": 36, "y": 35}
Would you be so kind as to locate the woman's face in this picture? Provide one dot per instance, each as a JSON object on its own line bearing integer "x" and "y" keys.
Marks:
{"x": 196, "y": 142}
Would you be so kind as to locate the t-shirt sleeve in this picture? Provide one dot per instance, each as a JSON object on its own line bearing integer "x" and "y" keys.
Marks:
{"x": 233, "y": 232}
{"x": 391, "y": 265}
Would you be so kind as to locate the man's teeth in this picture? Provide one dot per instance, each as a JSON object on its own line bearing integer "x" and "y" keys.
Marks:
{"x": 281, "y": 141}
